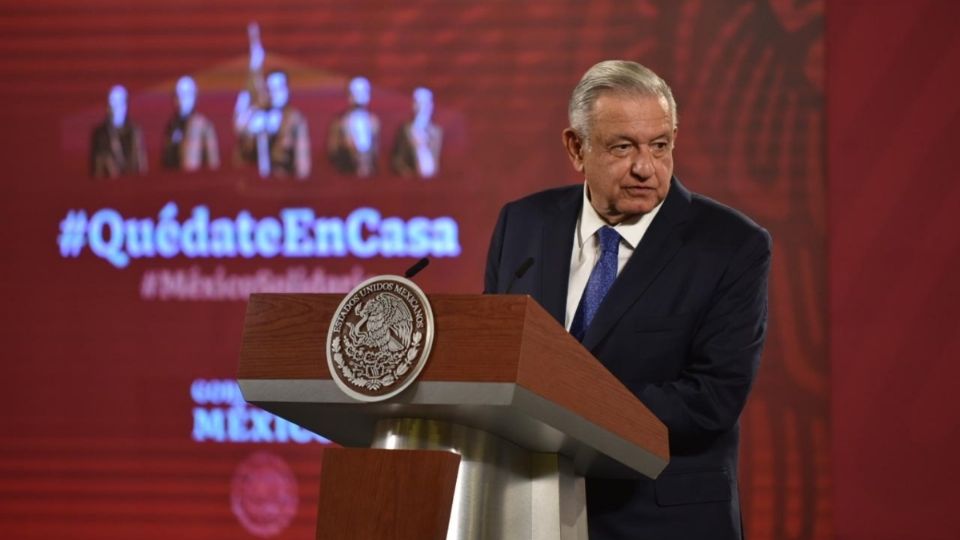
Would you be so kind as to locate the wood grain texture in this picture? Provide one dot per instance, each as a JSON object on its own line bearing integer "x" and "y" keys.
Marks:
{"x": 284, "y": 336}
{"x": 386, "y": 494}
{"x": 479, "y": 338}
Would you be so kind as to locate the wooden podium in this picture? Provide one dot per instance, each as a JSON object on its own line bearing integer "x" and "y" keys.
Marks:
{"x": 492, "y": 441}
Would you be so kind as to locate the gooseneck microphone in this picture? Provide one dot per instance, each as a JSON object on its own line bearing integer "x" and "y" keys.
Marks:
{"x": 416, "y": 268}
{"x": 521, "y": 270}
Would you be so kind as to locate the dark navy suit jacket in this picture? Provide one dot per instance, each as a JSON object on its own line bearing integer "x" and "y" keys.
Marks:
{"x": 682, "y": 327}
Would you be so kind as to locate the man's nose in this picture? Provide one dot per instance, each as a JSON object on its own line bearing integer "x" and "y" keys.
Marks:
{"x": 642, "y": 165}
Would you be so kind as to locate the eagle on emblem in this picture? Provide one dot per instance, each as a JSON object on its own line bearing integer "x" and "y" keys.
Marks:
{"x": 385, "y": 323}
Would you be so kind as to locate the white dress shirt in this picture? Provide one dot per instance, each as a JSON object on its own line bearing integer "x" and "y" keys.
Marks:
{"x": 586, "y": 249}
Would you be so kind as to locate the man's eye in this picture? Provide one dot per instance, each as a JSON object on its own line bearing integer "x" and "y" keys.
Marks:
{"x": 620, "y": 148}
{"x": 659, "y": 148}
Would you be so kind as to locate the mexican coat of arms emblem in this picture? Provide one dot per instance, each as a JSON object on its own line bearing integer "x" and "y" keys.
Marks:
{"x": 380, "y": 338}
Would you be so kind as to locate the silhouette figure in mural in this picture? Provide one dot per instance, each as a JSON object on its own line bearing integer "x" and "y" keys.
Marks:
{"x": 353, "y": 137}
{"x": 190, "y": 140}
{"x": 271, "y": 133}
{"x": 116, "y": 144}
{"x": 416, "y": 151}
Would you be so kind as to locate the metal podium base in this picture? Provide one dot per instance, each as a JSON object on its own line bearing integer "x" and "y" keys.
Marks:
{"x": 503, "y": 491}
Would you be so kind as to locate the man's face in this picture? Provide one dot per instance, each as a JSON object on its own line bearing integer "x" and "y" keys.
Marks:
{"x": 628, "y": 159}
{"x": 422, "y": 103}
{"x": 117, "y": 99}
{"x": 360, "y": 91}
{"x": 186, "y": 95}
{"x": 277, "y": 88}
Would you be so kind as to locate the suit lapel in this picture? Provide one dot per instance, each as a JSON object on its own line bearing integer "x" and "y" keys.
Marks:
{"x": 659, "y": 245}
{"x": 555, "y": 253}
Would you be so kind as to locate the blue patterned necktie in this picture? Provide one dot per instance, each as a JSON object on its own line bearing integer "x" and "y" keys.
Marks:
{"x": 601, "y": 278}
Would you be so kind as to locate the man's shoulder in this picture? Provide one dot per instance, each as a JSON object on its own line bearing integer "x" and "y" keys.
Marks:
{"x": 100, "y": 130}
{"x": 294, "y": 114}
{"x": 199, "y": 120}
{"x": 719, "y": 220}
{"x": 547, "y": 200}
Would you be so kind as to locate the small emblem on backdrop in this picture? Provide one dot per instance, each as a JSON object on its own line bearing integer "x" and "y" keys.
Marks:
{"x": 263, "y": 494}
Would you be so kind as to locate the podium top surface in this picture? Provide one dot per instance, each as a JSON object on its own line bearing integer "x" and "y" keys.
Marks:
{"x": 499, "y": 363}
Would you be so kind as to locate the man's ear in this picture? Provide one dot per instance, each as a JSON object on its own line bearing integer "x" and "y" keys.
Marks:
{"x": 575, "y": 147}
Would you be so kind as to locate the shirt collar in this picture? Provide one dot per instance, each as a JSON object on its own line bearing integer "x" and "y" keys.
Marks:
{"x": 631, "y": 230}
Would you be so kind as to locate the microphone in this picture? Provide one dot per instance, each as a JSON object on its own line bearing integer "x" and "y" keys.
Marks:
{"x": 521, "y": 270}
{"x": 416, "y": 268}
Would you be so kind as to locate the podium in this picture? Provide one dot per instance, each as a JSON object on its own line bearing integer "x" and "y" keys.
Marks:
{"x": 493, "y": 440}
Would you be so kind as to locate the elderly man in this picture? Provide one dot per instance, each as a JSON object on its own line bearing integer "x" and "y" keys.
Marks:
{"x": 667, "y": 288}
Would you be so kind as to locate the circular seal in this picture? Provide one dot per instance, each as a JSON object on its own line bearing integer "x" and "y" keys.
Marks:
{"x": 379, "y": 338}
{"x": 263, "y": 494}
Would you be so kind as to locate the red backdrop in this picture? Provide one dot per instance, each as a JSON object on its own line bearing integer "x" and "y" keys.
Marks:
{"x": 893, "y": 129}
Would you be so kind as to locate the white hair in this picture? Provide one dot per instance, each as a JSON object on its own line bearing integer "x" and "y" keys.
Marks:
{"x": 615, "y": 76}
